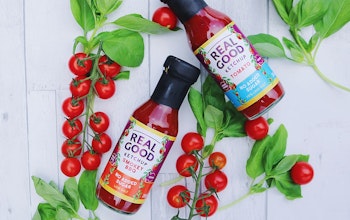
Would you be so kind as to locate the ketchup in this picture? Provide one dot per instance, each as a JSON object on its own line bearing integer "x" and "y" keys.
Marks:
{"x": 229, "y": 57}
{"x": 146, "y": 141}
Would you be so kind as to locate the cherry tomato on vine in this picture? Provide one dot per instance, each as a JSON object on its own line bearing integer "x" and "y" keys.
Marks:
{"x": 72, "y": 127}
{"x": 178, "y": 196}
{"x": 217, "y": 160}
{"x": 192, "y": 141}
{"x": 105, "y": 88}
{"x": 108, "y": 67}
{"x": 186, "y": 162}
{"x": 72, "y": 107}
{"x": 101, "y": 143}
{"x": 206, "y": 205}
{"x": 80, "y": 64}
{"x": 80, "y": 86}
{"x": 216, "y": 180}
{"x": 165, "y": 17}
{"x": 71, "y": 148}
{"x": 70, "y": 166}
{"x": 257, "y": 128}
{"x": 99, "y": 122}
{"x": 302, "y": 173}
{"x": 90, "y": 160}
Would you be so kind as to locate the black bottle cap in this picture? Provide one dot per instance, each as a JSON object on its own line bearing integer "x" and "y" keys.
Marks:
{"x": 176, "y": 79}
{"x": 185, "y": 9}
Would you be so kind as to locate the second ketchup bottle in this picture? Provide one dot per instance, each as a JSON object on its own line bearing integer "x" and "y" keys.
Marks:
{"x": 229, "y": 57}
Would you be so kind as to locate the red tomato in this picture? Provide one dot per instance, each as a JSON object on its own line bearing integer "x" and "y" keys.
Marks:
{"x": 101, "y": 143}
{"x": 105, "y": 88}
{"x": 72, "y": 107}
{"x": 71, "y": 128}
{"x": 80, "y": 64}
{"x": 165, "y": 17}
{"x": 186, "y": 162}
{"x": 178, "y": 196}
{"x": 70, "y": 166}
{"x": 80, "y": 86}
{"x": 206, "y": 205}
{"x": 90, "y": 160}
{"x": 71, "y": 148}
{"x": 99, "y": 122}
{"x": 257, "y": 129}
{"x": 108, "y": 67}
{"x": 192, "y": 141}
{"x": 217, "y": 160}
{"x": 302, "y": 173}
{"x": 216, "y": 180}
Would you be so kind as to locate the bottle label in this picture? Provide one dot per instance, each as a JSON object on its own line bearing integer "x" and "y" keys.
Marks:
{"x": 135, "y": 162}
{"x": 236, "y": 66}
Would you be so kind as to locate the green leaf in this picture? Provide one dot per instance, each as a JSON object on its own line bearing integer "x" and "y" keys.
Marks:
{"x": 136, "y": 22}
{"x": 286, "y": 186}
{"x": 107, "y": 6}
{"x": 267, "y": 45}
{"x": 336, "y": 16}
{"x": 295, "y": 50}
{"x": 275, "y": 152}
{"x": 196, "y": 102}
{"x": 51, "y": 194}
{"x": 283, "y": 8}
{"x": 122, "y": 75}
{"x": 62, "y": 214}
{"x": 83, "y": 14}
{"x": 255, "y": 165}
{"x": 233, "y": 122}
{"x": 208, "y": 149}
{"x": 313, "y": 42}
{"x": 46, "y": 211}
{"x": 213, "y": 117}
{"x": 124, "y": 47}
{"x": 312, "y": 11}
{"x": 70, "y": 191}
{"x": 87, "y": 189}
{"x": 212, "y": 94}
{"x": 285, "y": 164}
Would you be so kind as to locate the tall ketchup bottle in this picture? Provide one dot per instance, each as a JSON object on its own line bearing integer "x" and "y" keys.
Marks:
{"x": 224, "y": 51}
{"x": 146, "y": 141}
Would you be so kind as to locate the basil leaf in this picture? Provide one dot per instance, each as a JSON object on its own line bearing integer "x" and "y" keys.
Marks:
{"x": 337, "y": 15}
{"x": 213, "y": 117}
{"x": 267, "y": 45}
{"x": 83, "y": 14}
{"x": 255, "y": 165}
{"x": 286, "y": 186}
{"x": 208, "y": 149}
{"x": 312, "y": 11}
{"x": 234, "y": 122}
{"x": 46, "y": 211}
{"x": 124, "y": 47}
{"x": 283, "y": 8}
{"x": 62, "y": 214}
{"x": 107, "y": 6}
{"x": 285, "y": 165}
{"x": 70, "y": 191}
{"x": 87, "y": 188}
{"x": 122, "y": 75}
{"x": 295, "y": 50}
{"x": 275, "y": 152}
{"x": 196, "y": 102}
{"x": 136, "y": 22}
{"x": 212, "y": 94}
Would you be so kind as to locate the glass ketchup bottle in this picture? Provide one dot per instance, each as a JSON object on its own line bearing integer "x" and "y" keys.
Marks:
{"x": 224, "y": 51}
{"x": 146, "y": 140}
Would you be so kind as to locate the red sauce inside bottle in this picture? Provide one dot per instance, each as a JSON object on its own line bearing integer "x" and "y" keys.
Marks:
{"x": 204, "y": 25}
{"x": 159, "y": 117}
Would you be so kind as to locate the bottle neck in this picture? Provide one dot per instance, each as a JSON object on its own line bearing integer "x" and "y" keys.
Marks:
{"x": 185, "y": 9}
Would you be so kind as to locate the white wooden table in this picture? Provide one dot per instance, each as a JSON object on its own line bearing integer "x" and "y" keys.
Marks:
{"x": 36, "y": 42}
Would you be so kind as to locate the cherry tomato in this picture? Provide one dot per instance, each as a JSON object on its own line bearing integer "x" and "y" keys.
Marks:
{"x": 257, "y": 129}
{"x": 79, "y": 64}
{"x": 72, "y": 127}
{"x": 206, "y": 205}
{"x": 70, "y": 166}
{"x": 192, "y": 141}
{"x": 302, "y": 173}
{"x": 72, "y": 107}
{"x": 178, "y": 196}
{"x": 165, "y": 17}
{"x": 216, "y": 180}
{"x": 186, "y": 162}
{"x": 90, "y": 160}
{"x": 71, "y": 148}
{"x": 217, "y": 160}
{"x": 101, "y": 143}
{"x": 105, "y": 88}
{"x": 99, "y": 122}
{"x": 80, "y": 86}
{"x": 108, "y": 67}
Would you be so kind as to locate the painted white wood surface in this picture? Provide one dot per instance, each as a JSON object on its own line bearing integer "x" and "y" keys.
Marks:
{"x": 37, "y": 38}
